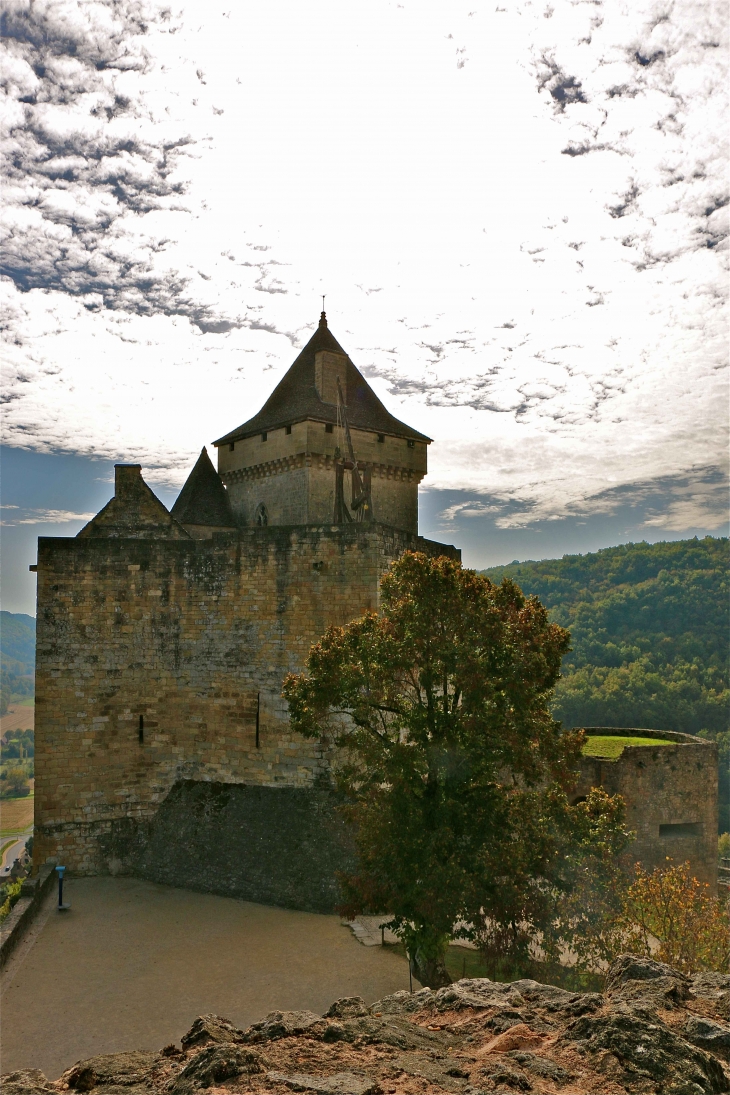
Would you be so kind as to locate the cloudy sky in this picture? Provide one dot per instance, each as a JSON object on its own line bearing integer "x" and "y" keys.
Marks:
{"x": 517, "y": 212}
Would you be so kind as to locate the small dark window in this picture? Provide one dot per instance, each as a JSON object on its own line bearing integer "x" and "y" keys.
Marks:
{"x": 381, "y": 438}
{"x": 141, "y": 729}
{"x": 684, "y": 828}
{"x": 411, "y": 444}
{"x": 288, "y": 429}
{"x": 329, "y": 428}
{"x": 264, "y": 436}
{"x": 231, "y": 446}
{"x": 262, "y": 516}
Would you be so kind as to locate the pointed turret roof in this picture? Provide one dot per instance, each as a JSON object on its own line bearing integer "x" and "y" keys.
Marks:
{"x": 296, "y": 398}
{"x": 204, "y": 500}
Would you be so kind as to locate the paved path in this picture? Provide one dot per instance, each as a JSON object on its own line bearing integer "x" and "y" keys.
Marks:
{"x": 132, "y": 964}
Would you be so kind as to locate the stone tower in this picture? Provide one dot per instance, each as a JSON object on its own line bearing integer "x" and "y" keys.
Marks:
{"x": 291, "y": 464}
{"x": 163, "y": 746}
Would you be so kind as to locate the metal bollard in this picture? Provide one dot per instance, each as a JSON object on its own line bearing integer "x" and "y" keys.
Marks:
{"x": 61, "y": 905}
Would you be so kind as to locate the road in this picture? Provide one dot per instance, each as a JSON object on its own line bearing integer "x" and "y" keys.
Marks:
{"x": 13, "y": 850}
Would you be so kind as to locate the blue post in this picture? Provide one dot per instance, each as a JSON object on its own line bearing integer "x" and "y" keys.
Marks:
{"x": 60, "y": 889}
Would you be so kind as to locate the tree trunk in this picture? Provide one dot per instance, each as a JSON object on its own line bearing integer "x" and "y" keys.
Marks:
{"x": 429, "y": 968}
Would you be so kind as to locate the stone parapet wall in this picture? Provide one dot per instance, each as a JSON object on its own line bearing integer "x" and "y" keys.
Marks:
{"x": 158, "y": 659}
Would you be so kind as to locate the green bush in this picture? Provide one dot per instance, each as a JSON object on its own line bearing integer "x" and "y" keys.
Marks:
{"x": 15, "y": 783}
{"x": 9, "y": 893}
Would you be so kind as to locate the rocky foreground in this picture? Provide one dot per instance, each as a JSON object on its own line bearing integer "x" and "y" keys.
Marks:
{"x": 652, "y": 1031}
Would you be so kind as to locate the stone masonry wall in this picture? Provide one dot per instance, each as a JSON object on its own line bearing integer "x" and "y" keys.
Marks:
{"x": 284, "y": 491}
{"x": 274, "y": 845}
{"x": 306, "y": 494}
{"x": 154, "y": 656}
{"x": 293, "y": 475}
{"x": 671, "y": 798}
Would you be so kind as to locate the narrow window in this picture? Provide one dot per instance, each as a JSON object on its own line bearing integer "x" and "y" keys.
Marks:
{"x": 288, "y": 429}
{"x": 258, "y": 719}
{"x": 231, "y": 446}
{"x": 684, "y": 828}
{"x": 411, "y": 444}
{"x": 264, "y": 436}
{"x": 381, "y": 438}
{"x": 329, "y": 428}
{"x": 141, "y": 729}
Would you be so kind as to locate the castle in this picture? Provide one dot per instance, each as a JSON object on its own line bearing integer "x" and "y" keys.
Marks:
{"x": 163, "y": 746}
{"x": 163, "y": 638}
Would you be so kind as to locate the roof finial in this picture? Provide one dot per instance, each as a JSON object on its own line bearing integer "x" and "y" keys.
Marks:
{"x": 323, "y": 317}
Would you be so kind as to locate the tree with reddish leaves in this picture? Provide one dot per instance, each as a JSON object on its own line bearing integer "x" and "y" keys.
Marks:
{"x": 454, "y": 771}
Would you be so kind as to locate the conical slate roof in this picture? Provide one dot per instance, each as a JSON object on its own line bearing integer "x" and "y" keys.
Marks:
{"x": 203, "y": 500}
{"x": 295, "y": 398}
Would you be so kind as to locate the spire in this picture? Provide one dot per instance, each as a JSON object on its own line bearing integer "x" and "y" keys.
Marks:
{"x": 203, "y": 500}
{"x": 323, "y": 319}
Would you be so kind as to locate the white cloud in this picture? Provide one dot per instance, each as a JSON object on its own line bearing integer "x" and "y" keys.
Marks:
{"x": 45, "y": 517}
{"x": 467, "y": 509}
{"x": 525, "y": 253}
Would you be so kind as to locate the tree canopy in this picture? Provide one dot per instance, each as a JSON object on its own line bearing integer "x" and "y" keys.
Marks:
{"x": 455, "y": 771}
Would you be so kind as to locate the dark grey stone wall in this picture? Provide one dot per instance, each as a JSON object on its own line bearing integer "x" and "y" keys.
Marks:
{"x": 273, "y": 845}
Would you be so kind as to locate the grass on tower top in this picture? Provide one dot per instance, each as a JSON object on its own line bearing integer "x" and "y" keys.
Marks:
{"x": 610, "y": 747}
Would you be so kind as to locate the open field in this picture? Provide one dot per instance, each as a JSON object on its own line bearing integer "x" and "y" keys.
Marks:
{"x": 16, "y": 814}
{"x": 20, "y": 716}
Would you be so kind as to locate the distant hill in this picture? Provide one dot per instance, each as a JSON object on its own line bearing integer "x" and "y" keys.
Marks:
{"x": 650, "y": 627}
{"x": 17, "y": 642}
{"x": 17, "y": 657}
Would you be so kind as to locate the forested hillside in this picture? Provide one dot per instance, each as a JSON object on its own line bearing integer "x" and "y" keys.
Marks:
{"x": 17, "y": 654}
{"x": 650, "y": 627}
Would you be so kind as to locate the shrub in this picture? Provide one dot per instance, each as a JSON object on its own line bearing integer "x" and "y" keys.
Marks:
{"x": 11, "y": 893}
{"x": 15, "y": 783}
{"x": 666, "y": 914}
{"x": 691, "y": 926}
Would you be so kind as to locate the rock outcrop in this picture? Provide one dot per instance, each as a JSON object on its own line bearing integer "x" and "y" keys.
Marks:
{"x": 653, "y": 1032}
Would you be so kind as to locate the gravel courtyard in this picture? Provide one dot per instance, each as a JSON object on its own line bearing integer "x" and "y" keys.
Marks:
{"x": 131, "y": 964}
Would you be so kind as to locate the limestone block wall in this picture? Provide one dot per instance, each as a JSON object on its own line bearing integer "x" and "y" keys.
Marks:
{"x": 671, "y": 797}
{"x": 274, "y": 845}
{"x": 283, "y": 488}
{"x": 301, "y": 490}
{"x": 158, "y": 659}
{"x": 314, "y": 437}
{"x": 293, "y": 475}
